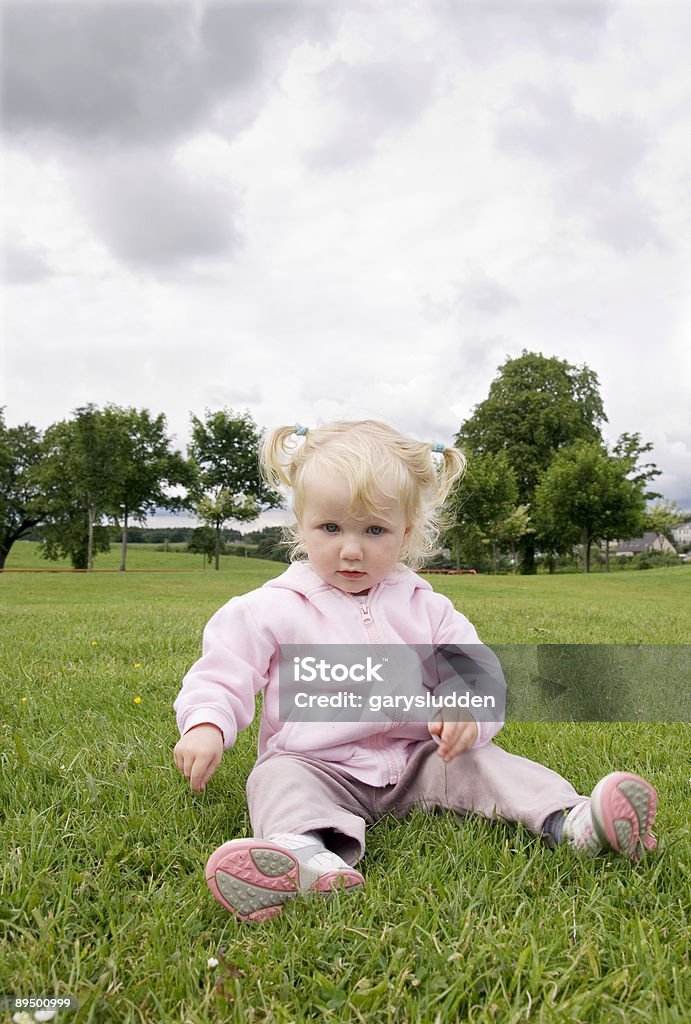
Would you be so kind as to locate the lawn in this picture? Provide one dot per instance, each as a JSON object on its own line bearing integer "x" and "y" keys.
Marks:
{"x": 103, "y": 896}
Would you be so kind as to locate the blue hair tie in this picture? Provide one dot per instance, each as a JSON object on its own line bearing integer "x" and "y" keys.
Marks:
{"x": 436, "y": 447}
{"x": 300, "y": 430}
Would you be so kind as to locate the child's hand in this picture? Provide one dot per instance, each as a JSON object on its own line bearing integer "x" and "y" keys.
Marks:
{"x": 454, "y": 737}
{"x": 198, "y": 754}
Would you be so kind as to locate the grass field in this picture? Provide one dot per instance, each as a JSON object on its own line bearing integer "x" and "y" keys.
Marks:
{"x": 104, "y": 845}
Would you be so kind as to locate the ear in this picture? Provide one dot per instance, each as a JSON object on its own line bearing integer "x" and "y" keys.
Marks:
{"x": 406, "y": 535}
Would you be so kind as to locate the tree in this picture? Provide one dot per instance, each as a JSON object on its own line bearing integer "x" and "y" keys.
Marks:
{"x": 586, "y": 494}
{"x": 484, "y": 500}
{"x": 224, "y": 450}
{"x": 203, "y": 541}
{"x": 536, "y": 406}
{"x": 65, "y": 535}
{"x": 630, "y": 448}
{"x": 21, "y": 508}
{"x": 140, "y": 467}
{"x": 110, "y": 463}
{"x": 516, "y": 526}
{"x": 662, "y": 516}
{"x": 76, "y": 488}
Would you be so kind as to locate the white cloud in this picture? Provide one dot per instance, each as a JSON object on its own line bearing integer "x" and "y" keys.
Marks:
{"x": 108, "y": 73}
{"x": 151, "y": 213}
{"x": 23, "y": 264}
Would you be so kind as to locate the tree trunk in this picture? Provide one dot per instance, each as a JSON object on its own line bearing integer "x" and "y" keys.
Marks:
{"x": 585, "y": 543}
{"x": 217, "y": 552}
{"x": 123, "y": 549}
{"x": 607, "y": 556}
{"x": 528, "y": 567}
{"x": 90, "y": 540}
{"x": 9, "y": 538}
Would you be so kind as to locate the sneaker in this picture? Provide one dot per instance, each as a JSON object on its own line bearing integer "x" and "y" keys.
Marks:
{"x": 617, "y": 817}
{"x": 253, "y": 878}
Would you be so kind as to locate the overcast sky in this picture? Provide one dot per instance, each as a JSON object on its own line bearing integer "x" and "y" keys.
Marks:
{"x": 333, "y": 210}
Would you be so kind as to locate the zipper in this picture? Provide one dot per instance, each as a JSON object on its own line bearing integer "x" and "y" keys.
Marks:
{"x": 367, "y": 620}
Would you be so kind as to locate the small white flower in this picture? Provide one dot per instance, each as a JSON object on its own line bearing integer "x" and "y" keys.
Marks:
{"x": 212, "y": 962}
{"x": 23, "y": 1018}
{"x": 45, "y": 1014}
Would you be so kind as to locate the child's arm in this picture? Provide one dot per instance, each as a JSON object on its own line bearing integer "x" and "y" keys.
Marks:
{"x": 198, "y": 754}
{"x": 463, "y": 655}
{"x": 218, "y": 693}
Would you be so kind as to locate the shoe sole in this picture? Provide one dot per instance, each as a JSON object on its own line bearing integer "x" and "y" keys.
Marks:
{"x": 254, "y": 878}
{"x": 623, "y": 809}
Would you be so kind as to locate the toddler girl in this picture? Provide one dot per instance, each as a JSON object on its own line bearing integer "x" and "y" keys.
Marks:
{"x": 366, "y": 500}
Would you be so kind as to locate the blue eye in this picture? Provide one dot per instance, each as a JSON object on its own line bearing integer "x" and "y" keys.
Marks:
{"x": 376, "y": 531}
{"x": 330, "y": 528}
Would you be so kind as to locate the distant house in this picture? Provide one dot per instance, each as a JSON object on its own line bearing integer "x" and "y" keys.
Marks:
{"x": 682, "y": 534}
{"x": 650, "y": 541}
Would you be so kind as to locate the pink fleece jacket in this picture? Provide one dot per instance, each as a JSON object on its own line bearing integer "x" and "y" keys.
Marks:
{"x": 240, "y": 659}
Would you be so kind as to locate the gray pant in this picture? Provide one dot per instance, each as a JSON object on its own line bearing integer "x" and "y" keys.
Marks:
{"x": 293, "y": 793}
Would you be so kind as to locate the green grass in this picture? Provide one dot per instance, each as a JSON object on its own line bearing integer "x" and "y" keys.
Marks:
{"x": 104, "y": 845}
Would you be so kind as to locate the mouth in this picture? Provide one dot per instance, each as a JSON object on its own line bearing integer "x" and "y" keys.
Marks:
{"x": 351, "y": 574}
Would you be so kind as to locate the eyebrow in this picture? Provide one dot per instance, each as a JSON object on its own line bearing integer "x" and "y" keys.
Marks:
{"x": 368, "y": 520}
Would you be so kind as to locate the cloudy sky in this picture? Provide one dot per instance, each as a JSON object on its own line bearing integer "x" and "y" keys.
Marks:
{"x": 318, "y": 210}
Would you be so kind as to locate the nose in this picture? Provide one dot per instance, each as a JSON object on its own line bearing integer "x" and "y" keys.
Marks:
{"x": 351, "y": 549}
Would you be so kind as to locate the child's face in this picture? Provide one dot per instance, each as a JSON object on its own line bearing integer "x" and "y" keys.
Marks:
{"x": 350, "y": 552}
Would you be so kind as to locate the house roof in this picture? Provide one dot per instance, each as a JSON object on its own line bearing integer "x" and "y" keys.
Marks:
{"x": 638, "y": 544}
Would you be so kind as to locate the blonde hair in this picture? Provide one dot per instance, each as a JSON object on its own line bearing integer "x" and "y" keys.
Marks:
{"x": 374, "y": 460}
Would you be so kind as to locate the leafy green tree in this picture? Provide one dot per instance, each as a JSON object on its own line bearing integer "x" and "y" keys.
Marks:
{"x": 112, "y": 463}
{"x": 76, "y": 488}
{"x": 225, "y": 452}
{"x": 484, "y": 500}
{"x": 21, "y": 507}
{"x": 65, "y": 535}
{"x": 536, "y": 406}
{"x": 662, "y": 516}
{"x": 203, "y": 541}
{"x": 516, "y": 526}
{"x": 586, "y": 494}
{"x": 467, "y": 545}
{"x": 630, "y": 448}
{"x": 141, "y": 467}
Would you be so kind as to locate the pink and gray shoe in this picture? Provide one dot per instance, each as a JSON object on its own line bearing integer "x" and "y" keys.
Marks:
{"x": 618, "y": 817}
{"x": 253, "y": 878}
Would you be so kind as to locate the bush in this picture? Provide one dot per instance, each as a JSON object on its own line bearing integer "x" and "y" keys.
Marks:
{"x": 655, "y": 560}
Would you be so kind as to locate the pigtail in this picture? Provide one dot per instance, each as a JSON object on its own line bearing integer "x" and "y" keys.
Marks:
{"x": 451, "y": 470}
{"x": 276, "y": 456}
